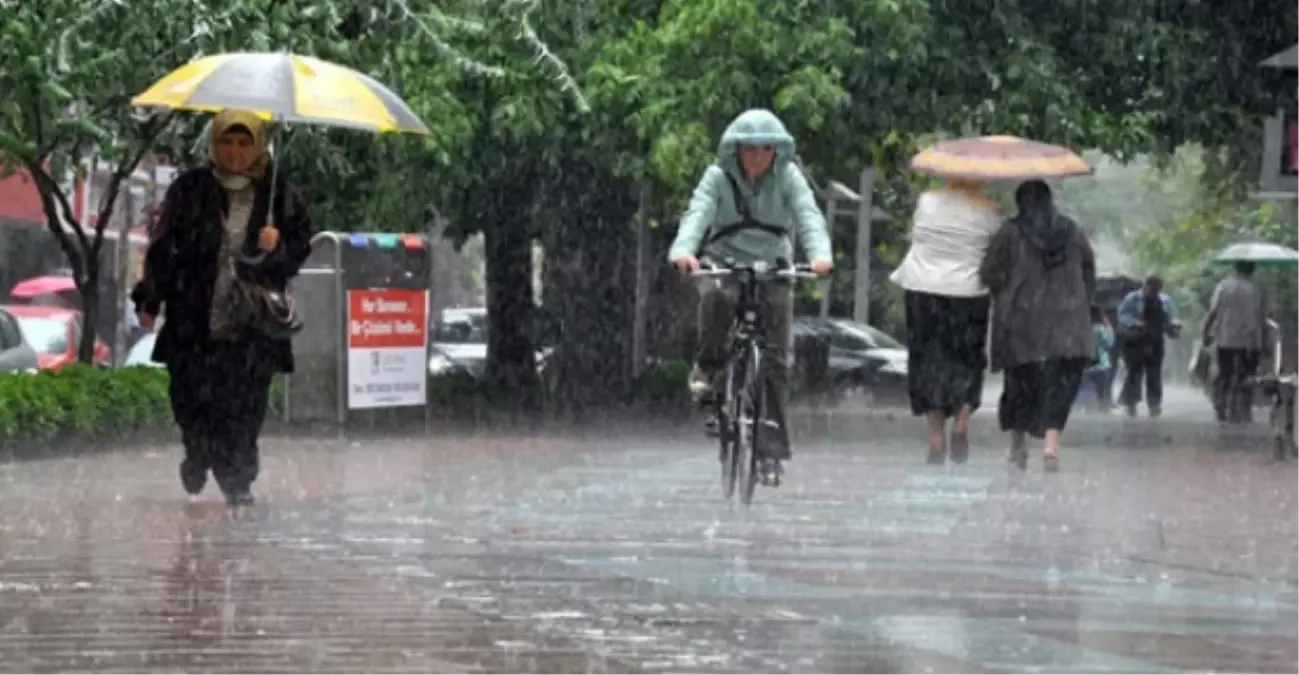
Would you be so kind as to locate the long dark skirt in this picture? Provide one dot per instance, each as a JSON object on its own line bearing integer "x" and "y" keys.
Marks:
{"x": 219, "y": 397}
{"x": 947, "y": 342}
{"x": 1038, "y": 396}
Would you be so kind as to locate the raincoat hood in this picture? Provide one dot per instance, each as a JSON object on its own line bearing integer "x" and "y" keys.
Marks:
{"x": 755, "y": 127}
{"x": 781, "y": 198}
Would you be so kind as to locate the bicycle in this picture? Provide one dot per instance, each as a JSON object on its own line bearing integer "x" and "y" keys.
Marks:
{"x": 740, "y": 405}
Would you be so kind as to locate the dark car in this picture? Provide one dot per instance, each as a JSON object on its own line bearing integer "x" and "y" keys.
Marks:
{"x": 862, "y": 361}
{"x": 458, "y": 343}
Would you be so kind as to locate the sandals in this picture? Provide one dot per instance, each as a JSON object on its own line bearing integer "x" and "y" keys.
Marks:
{"x": 1019, "y": 454}
{"x": 937, "y": 454}
{"x": 960, "y": 448}
{"x": 1051, "y": 462}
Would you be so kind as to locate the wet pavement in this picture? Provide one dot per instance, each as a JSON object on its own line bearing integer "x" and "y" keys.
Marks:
{"x": 613, "y": 552}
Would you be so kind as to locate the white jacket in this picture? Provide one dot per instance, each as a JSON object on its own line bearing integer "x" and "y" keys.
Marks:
{"x": 951, "y": 233}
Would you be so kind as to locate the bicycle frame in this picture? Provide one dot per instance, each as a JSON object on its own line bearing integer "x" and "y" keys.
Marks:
{"x": 739, "y": 407}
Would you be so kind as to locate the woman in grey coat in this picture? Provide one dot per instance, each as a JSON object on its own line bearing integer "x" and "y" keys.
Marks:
{"x": 1041, "y": 274}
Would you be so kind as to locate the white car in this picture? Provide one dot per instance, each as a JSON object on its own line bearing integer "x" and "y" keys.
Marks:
{"x": 16, "y": 353}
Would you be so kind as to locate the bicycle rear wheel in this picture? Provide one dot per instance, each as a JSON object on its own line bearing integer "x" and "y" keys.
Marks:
{"x": 728, "y": 415}
{"x": 750, "y": 400}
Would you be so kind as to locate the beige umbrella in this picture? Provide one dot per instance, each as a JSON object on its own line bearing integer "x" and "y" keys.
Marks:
{"x": 995, "y": 158}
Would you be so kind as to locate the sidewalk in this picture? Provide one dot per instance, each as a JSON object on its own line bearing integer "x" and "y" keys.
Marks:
{"x": 613, "y": 552}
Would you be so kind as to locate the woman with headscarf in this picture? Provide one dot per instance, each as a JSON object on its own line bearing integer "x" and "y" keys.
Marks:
{"x": 216, "y": 230}
{"x": 1041, "y": 273}
{"x": 947, "y": 311}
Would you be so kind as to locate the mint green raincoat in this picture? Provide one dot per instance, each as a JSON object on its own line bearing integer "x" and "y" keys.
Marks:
{"x": 782, "y": 198}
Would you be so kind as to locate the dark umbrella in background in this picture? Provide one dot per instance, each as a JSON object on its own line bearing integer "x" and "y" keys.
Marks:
{"x": 1110, "y": 292}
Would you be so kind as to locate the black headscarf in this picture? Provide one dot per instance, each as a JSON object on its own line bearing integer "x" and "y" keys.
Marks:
{"x": 1047, "y": 230}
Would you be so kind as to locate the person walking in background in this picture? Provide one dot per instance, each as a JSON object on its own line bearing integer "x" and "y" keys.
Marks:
{"x": 215, "y": 219}
{"x": 1236, "y": 327}
{"x": 1146, "y": 317}
{"x": 1041, "y": 272}
{"x": 947, "y": 311}
{"x": 1098, "y": 374}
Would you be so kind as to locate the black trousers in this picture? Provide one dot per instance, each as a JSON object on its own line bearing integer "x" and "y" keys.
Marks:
{"x": 1039, "y": 396}
{"x": 1145, "y": 360}
{"x": 1232, "y": 399}
{"x": 946, "y": 342}
{"x": 219, "y": 395}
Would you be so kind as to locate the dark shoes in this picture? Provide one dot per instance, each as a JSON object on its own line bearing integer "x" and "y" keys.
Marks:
{"x": 772, "y": 442}
{"x": 771, "y": 471}
{"x": 1019, "y": 453}
{"x": 240, "y": 497}
{"x": 957, "y": 450}
{"x": 193, "y": 477}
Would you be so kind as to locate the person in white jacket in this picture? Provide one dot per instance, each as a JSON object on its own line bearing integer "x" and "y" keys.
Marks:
{"x": 947, "y": 311}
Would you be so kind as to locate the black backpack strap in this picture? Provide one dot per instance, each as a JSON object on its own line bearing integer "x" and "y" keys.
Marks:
{"x": 741, "y": 204}
{"x": 746, "y": 219}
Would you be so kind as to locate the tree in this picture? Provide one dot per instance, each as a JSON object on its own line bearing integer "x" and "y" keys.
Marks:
{"x": 66, "y": 101}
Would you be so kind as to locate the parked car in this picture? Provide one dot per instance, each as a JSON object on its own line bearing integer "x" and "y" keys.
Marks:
{"x": 458, "y": 343}
{"x": 54, "y": 332}
{"x": 863, "y": 360}
{"x": 16, "y": 354}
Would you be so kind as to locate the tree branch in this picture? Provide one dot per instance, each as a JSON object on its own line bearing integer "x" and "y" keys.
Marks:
{"x": 52, "y": 201}
{"x": 149, "y": 132}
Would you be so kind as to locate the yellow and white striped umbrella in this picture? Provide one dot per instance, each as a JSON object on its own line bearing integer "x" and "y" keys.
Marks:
{"x": 283, "y": 87}
{"x": 993, "y": 158}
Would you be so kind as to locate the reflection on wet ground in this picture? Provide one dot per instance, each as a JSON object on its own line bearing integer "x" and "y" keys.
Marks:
{"x": 614, "y": 552}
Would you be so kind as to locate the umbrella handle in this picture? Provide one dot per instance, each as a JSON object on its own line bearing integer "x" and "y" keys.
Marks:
{"x": 253, "y": 260}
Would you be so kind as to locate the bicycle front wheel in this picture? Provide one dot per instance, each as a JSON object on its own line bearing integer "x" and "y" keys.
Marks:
{"x": 750, "y": 400}
{"x": 728, "y": 416}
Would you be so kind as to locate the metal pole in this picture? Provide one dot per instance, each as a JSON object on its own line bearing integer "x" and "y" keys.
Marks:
{"x": 862, "y": 282}
{"x": 827, "y": 285}
{"x": 341, "y": 354}
{"x": 640, "y": 320}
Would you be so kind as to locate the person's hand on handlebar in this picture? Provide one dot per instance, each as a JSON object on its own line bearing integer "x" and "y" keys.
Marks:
{"x": 821, "y": 268}
{"x": 688, "y": 264}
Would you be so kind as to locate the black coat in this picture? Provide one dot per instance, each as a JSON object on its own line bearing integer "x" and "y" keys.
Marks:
{"x": 181, "y": 264}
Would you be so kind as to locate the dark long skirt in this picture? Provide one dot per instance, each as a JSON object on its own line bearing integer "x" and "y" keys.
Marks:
{"x": 219, "y": 395}
{"x": 947, "y": 342}
{"x": 1038, "y": 396}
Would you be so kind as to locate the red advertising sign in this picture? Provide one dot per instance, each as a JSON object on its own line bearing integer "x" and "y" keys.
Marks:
{"x": 387, "y": 317}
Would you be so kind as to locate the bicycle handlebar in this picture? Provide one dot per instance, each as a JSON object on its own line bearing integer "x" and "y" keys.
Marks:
{"x": 760, "y": 269}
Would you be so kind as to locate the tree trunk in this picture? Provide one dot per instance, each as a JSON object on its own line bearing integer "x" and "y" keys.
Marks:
{"x": 511, "y": 355}
{"x": 88, "y": 286}
{"x": 590, "y": 286}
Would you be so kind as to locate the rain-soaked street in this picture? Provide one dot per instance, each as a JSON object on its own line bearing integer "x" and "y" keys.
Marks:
{"x": 1157, "y": 548}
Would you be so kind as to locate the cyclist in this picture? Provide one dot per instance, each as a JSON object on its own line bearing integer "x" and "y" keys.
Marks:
{"x": 742, "y": 211}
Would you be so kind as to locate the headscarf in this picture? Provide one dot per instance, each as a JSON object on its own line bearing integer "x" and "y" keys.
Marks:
{"x": 230, "y": 117}
{"x": 1043, "y": 226}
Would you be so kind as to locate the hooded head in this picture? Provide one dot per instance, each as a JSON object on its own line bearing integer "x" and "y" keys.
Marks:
{"x": 238, "y": 144}
{"x": 755, "y": 143}
{"x": 1048, "y": 231}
